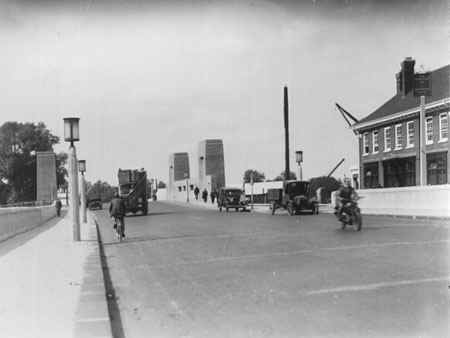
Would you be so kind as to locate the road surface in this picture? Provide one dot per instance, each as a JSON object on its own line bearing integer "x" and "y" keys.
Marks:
{"x": 192, "y": 272}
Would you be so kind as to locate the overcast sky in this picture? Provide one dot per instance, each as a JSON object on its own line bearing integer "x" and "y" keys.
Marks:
{"x": 148, "y": 78}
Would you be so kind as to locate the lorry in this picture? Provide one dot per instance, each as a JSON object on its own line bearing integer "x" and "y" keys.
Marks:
{"x": 133, "y": 190}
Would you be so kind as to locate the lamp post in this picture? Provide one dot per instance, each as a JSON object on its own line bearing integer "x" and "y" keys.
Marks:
{"x": 82, "y": 169}
{"x": 72, "y": 134}
{"x": 171, "y": 193}
{"x": 187, "y": 186}
{"x": 299, "y": 160}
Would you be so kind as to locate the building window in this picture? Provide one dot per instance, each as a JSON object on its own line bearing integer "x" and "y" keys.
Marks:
{"x": 400, "y": 172}
{"x": 370, "y": 173}
{"x": 410, "y": 134}
{"x": 429, "y": 130}
{"x": 365, "y": 143}
{"x": 387, "y": 139}
{"x": 375, "y": 141}
{"x": 443, "y": 127}
{"x": 437, "y": 168}
{"x": 398, "y": 136}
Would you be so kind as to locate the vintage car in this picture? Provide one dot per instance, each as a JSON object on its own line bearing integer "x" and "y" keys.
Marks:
{"x": 232, "y": 198}
{"x": 295, "y": 197}
{"x": 95, "y": 203}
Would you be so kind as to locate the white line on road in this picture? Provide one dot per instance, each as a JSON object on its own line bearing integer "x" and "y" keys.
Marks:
{"x": 374, "y": 286}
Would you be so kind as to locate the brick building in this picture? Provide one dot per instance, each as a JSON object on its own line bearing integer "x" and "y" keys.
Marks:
{"x": 389, "y": 137}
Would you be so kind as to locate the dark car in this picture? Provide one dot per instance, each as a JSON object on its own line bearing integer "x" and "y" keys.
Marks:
{"x": 231, "y": 198}
{"x": 95, "y": 204}
{"x": 295, "y": 197}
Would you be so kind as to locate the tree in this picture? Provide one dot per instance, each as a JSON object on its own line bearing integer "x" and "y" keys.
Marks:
{"x": 61, "y": 171}
{"x": 257, "y": 176}
{"x": 18, "y": 144}
{"x": 280, "y": 177}
{"x": 102, "y": 190}
{"x": 328, "y": 185}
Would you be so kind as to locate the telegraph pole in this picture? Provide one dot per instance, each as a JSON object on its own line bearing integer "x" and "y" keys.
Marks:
{"x": 286, "y": 133}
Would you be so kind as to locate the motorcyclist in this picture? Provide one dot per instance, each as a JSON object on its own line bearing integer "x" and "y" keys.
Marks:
{"x": 346, "y": 194}
{"x": 117, "y": 210}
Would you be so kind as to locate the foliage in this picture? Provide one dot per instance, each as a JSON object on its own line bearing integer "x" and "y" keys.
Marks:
{"x": 18, "y": 144}
{"x": 257, "y": 176}
{"x": 161, "y": 185}
{"x": 99, "y": 189}
{"x": 329, "y": 184}
{"x": 61, "y": 171}
{"x": 292, "y": 176}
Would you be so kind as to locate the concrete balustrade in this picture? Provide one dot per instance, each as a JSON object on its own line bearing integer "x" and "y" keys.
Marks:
{"x": 19, "y": 219}
{"x": 428, "y": 201}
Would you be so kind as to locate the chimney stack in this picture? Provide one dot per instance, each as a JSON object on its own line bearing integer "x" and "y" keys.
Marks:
{"x": 406, "y": 76}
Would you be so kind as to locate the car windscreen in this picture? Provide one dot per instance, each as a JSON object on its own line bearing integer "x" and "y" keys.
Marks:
{"x": 234, "y": 192}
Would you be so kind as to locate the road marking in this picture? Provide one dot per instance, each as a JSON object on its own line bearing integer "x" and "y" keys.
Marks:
{"x": 93, "y": 319}
{"x": 375, "y": 286}
{"x": 293, "y": 253}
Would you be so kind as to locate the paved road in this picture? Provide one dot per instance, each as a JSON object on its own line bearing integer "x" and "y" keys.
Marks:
{"x": 190, "y": 272}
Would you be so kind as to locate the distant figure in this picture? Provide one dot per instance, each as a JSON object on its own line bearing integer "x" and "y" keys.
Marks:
{"x": 196, "y": 192}
{"x": 58, "y": 206}
{"x": 213, "y": 196}
{"x": 205, "y": 195}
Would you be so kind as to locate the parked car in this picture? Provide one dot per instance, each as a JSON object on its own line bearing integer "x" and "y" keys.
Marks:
{"x": 95, "y": 204}
{"x": 229, "y": 198}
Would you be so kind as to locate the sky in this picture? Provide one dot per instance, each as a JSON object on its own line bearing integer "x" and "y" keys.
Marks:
{"x": 149, "y": 78}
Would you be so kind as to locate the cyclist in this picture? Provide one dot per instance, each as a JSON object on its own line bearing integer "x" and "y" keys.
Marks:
{"x": 117, "y": 210}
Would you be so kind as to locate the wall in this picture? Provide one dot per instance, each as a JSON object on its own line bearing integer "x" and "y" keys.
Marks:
{"x": 20, "y": 219}
{"x": 432, "y": 200}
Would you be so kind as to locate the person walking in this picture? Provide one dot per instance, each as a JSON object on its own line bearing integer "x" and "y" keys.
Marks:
{"x": 205, "y": 195}
{"x": 196, "y": 192}
{"x": 213, "y": 196}
{"x": 58, "y": 206}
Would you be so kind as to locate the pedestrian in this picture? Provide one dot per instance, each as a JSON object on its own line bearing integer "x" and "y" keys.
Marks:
{"x": 213, "y": 196}
{"x": 196, "y": 192}
{"x": 205, "y": 195}
{"x": 58, "y": 206}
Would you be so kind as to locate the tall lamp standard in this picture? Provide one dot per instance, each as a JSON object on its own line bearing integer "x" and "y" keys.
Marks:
{"x": 72, "y": 134}
{"x": 82, "y": 169}
{"x": 299, "y": 160}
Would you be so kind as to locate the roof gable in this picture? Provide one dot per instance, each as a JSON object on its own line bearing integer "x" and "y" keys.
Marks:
{"x": 440, "y": 79}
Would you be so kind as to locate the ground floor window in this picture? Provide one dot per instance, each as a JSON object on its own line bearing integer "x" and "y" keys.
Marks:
{"x": 400, "y": 172}
{"x": 370, "y": 173}
{"x": 437, "y": 168}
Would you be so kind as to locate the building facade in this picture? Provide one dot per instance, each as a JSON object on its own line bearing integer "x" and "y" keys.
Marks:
{"x": 389, "y": 138}
{"x": 211, "y": 165}
{"x": 179, "y": 174}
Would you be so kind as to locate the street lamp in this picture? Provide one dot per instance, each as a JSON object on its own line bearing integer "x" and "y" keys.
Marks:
{"x": 72, "y": 134}
{"x": 186, "y": 175}
{"x": 299, "y": 160}
{"x": 82, "y": 169}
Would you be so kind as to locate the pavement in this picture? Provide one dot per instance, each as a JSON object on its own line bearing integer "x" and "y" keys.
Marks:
{"x": 188, "y": 271}
{"x": 52, "y": 286}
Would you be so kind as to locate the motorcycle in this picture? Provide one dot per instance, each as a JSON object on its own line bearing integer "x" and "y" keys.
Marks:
{"x": 351, "y": 215}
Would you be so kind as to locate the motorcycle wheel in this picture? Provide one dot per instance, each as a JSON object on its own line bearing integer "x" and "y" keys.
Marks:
{"x": 358, "y": 221}
{"x": 290, "y": 210}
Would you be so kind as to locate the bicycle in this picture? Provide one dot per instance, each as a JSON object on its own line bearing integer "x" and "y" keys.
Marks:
{"x": 118, "y": 221}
